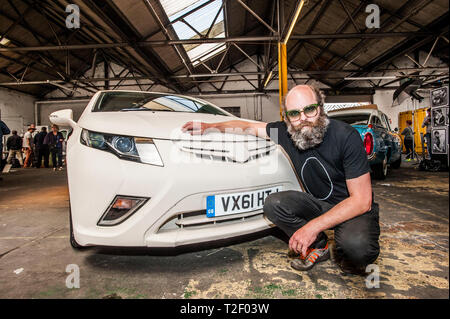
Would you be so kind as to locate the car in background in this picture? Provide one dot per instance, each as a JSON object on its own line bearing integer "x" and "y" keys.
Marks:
{"x": 383, "y": 146}
{"x": 137, "y": 180}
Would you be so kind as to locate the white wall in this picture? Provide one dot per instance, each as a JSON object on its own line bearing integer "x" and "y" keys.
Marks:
{"x": 384, "y": 98}
{"x": 100, "y": 73}
{"x": 16, "y": 109}
{"x": 384, "y": 101}
{"x": 44, "y": 110}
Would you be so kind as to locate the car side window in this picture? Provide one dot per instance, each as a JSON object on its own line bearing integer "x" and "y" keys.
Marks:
{"x": 382, "y": 121}
{"x": 386, "y": 122}
{"x": 376, "y": 121}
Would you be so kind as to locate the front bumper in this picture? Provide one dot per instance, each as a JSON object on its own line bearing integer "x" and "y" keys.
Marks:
{"x": 180, "y": 187}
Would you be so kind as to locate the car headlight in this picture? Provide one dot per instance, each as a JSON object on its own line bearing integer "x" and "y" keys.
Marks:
{"x": 137, "y": 149}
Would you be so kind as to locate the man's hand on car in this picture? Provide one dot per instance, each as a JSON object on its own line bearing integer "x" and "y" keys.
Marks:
{"x": 195, "y": 128}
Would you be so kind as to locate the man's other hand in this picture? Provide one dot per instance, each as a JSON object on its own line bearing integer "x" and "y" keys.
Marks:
{"x": 302, "y": 239}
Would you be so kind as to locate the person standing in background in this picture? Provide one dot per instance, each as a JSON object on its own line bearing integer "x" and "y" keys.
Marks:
{"x": 54, "y": 141}
{"x": 28, "y": 146}
{"x": 4, "y": 130}
{"x": 408, "y": 140}
{"x": 41, "y": 148}
{"x": 427, "y": 123}
{"x": 14, "y": 146}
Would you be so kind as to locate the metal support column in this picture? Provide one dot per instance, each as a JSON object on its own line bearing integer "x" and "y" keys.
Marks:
{"x": 282, "y": 74}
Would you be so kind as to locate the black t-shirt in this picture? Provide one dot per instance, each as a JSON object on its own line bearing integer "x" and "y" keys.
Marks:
{"x": 324, "y": 168}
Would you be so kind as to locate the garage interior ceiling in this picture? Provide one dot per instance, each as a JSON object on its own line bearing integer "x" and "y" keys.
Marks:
{"x": 182, "y": 44}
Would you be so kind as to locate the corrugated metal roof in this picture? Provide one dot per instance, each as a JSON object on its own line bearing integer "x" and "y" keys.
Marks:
{"x": 42, "y": 23}
{"x": 173, "y": 7}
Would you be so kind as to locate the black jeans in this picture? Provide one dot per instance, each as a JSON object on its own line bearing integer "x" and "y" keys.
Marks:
{"x": 356, "y": 239}
{"x": 56, "y": 151}
{"x": 409, "y": 148}
{"x": 42, "y": 153}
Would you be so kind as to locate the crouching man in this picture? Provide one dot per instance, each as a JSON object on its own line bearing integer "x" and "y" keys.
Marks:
{"x": 330, "y": 159}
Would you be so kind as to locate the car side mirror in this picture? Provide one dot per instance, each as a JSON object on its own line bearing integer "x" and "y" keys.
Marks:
{"x": 63, "y": 118}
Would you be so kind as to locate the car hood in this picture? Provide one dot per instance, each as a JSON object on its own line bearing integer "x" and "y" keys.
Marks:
{"x": 157, "y": 125}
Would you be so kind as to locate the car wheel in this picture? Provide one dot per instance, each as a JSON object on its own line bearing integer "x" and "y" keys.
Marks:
{"x": 397, "y": 163}
{"x": 380, "y": 170}
{"x": 73, "y": 242}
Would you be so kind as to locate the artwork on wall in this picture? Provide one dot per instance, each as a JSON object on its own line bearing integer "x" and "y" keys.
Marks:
{"x": 446, "y": 116}
{"x": 439, "y": 97}
{"x": 439, "y": 141}
{"x": 438, "y": 116}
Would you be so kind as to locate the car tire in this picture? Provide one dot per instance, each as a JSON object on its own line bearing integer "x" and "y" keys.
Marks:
{"x": 397, "y": 163}
{"x": 73, "y": 242}
{"x": 380, "y": 170}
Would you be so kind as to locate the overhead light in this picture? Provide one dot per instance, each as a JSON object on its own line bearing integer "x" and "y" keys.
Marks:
{"x": 294, "y": 21}
{"x": 4, "y": 41}
{"x": 268, "y": 78}
{"x": 371, "y": 78}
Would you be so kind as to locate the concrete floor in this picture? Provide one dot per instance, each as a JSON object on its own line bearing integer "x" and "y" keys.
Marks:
{"x": 35, "y": 251}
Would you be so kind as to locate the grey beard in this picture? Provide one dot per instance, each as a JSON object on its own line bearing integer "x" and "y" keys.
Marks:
{"x": 312, "y": 137}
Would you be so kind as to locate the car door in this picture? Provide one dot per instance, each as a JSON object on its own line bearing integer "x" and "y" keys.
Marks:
{"x": 380, "y": 134}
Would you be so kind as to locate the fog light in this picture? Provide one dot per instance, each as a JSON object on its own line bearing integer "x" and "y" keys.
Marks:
{"x": 120, "y": 209}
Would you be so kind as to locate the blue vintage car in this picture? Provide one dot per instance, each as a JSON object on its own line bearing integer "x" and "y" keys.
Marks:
{"x": 383, "y": 146}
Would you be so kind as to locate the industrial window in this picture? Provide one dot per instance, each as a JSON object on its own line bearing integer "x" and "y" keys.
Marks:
{"x": 203, "y": 17}
{"x": 235, "y": 110}
{"x": 4, "y": 41}
{"x": 339, "y": 106}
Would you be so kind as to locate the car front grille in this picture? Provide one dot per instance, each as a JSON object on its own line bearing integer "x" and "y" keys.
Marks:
{"x": 232, "y": 152}
{"x": 198, "y": 219}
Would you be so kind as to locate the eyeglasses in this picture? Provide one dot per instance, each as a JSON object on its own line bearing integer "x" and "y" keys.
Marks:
{"x": 309, "y": 111}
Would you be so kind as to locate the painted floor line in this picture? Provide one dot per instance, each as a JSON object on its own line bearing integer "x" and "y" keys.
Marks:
{"x": 32, "y": 241}
{"x": 50, "y": 237}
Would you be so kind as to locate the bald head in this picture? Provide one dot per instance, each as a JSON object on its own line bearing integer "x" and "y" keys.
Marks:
{"x": 305, "y": 119}
{"x": 300, "y": 96}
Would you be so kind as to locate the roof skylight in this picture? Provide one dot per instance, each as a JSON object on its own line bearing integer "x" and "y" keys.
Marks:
{"x": 4, "y": 41}
{"x": 207, "y": 20}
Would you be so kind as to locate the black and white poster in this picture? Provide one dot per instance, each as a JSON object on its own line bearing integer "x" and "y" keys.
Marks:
{"x": 438, "y": 115}
{"x": 439, "y": 97}
{"x": 439, "y": 141}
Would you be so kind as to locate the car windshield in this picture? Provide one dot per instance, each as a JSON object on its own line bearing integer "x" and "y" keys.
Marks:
{"x": 143, "y": 101}
{"x": 353, "y": 119}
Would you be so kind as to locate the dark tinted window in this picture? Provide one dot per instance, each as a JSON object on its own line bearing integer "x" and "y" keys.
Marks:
{"x": 352, "y": 119}
{"x": 387, "y": 123}
{"x": 375, "y": 121}
{"x": 142, "y": 101}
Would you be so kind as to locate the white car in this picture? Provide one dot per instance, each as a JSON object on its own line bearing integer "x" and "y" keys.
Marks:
{"x": 136, "y": 180}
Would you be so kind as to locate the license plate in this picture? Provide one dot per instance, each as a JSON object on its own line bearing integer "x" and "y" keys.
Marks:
{"x": 228, "y": 204}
